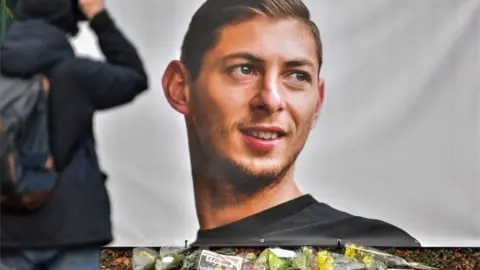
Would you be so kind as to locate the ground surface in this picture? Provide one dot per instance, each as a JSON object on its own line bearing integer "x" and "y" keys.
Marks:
{"x": 445, "y": 259}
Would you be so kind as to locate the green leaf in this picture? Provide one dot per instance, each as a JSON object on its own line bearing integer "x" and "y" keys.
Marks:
{"x": 10, "y": 13}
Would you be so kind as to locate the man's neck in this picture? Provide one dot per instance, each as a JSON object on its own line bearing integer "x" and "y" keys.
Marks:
{"x": 211, "y": 215}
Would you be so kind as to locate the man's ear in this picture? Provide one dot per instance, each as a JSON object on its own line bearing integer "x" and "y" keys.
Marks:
{"x": 321, "y": 97}
{"x": 176, "y": 87}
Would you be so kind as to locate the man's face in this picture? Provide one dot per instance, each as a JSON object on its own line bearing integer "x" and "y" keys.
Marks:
{"x": 258, "y": 95}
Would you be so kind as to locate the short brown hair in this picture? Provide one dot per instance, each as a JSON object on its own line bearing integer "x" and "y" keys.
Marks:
{"x": 213, "y": 15}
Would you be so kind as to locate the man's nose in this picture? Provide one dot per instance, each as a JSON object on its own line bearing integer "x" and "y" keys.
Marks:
{"x": 270, "y": 97}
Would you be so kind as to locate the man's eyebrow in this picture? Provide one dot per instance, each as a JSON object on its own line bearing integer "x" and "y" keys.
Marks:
{"x": 245, "y": 56}
{"x": 300, "y": 63}
{"x": 257, "y": 59}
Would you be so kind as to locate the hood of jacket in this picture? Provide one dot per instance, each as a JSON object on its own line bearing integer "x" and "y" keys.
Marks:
{"x": 64, "y": 14}
{"x": 33, "y": 47}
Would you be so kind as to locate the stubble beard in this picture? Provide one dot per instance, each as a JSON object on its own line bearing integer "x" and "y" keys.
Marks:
{"x": 230, "y": 181}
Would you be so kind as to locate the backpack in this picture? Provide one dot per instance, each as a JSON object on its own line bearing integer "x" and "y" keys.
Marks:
{"x": 27, "y": 176}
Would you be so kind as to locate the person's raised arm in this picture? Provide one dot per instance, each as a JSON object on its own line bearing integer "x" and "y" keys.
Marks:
{"x": 122, "y": 77}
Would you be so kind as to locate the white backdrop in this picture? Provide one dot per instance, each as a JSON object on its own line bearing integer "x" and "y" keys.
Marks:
{"x": 398, "y": 139}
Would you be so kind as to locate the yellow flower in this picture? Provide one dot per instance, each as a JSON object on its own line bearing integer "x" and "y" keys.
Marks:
{"x": 368, "y": 260}
{"x": 350, "y": 252}
{"x": 324, "y": 260}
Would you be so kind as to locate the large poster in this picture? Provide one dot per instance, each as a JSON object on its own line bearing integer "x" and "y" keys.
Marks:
{"x": 269, "y": 132}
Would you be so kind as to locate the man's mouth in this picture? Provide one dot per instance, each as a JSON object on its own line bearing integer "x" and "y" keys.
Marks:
{"x": 264, "y": 135}
{"x": 263, "y": 138}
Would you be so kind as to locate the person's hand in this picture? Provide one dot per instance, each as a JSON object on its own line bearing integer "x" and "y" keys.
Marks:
{"x": 46, "y": 85}
{"x": 91, "y": 7}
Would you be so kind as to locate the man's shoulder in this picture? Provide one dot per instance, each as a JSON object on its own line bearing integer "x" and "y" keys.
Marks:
{"x": 374, "y": 232}
{"x": 76, "y": 66}
{"x": 77, "y": 73}
{"x": 322, "y": 220}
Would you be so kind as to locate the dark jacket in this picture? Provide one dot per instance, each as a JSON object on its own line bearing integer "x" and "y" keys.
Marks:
{"x": 79, "y": 212}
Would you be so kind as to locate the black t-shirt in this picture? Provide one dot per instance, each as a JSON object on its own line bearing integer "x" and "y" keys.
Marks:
{"x": 305, "y": 221}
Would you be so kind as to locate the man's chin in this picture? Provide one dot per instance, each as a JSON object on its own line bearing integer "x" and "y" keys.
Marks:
{"x": 262, "y": 168}
{"x": 248, "y": 176}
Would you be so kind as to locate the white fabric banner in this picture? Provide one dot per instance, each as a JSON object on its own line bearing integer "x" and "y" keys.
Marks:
{"x": 398, "y": 138}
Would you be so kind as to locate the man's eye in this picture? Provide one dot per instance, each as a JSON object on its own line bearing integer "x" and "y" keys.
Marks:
{"x": 243, "y": 70}
{"x": 300, "y": 76}
{"x": 246, "y": 70}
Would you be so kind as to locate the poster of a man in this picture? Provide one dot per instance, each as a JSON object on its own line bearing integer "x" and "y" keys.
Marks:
{"x": 248, "y": 84}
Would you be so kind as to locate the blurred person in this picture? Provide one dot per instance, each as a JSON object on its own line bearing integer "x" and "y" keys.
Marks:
{"x": 249, "y": 88}
{"x": 69, "y": 230}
